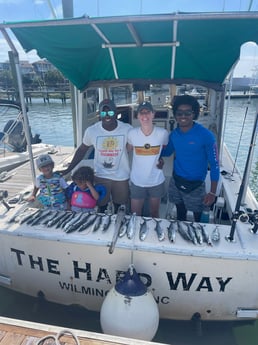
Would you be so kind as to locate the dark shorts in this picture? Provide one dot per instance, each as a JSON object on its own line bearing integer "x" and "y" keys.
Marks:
{"x": 193, "y": 201}
{"x": 117, "y": 191}
{"x": 138, "y": 192}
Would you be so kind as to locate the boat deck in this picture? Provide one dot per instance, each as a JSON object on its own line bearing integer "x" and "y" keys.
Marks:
{"x": 19, "y": 180}
{"x": 19, "y": 332}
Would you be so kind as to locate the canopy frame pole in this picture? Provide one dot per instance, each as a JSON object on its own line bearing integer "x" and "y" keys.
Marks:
{"x": 173, "y": 62}
{"x": 22, "y": 100}
{"x": 100, "y": 33}
{"x": 133, "y": 32}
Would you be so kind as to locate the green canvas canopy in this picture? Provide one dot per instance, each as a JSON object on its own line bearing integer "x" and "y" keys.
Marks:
{"x": 170, "y": 48}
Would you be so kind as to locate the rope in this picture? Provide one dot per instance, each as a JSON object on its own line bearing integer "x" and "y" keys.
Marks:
{"x": 57, "y": 337}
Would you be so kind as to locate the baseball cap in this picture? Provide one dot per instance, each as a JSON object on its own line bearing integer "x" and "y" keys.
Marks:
{"x": 43, "y": 160}
{"x": 145, "y": 105}
{"x": 107, "y": 103}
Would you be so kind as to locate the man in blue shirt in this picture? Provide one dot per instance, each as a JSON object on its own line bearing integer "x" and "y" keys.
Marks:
{"x": 195, "y": 151}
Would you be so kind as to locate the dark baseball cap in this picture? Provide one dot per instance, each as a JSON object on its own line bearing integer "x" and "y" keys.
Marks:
{"x": 145, "y": 105}
{"x": 107, "y": 103}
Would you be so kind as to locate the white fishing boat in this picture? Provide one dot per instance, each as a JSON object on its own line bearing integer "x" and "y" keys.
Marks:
{"x": 13, "y": 143}
{"x": 210, "y": 280}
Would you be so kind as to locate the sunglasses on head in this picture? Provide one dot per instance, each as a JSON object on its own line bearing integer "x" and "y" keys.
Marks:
{"x": 109, "y": 113}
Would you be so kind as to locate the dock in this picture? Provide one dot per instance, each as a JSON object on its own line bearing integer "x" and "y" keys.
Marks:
{"x": 20, "y": 179}
{"x": 20, "y": 332}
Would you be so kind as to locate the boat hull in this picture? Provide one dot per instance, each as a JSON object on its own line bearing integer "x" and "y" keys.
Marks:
{"x": 214, "y": 281}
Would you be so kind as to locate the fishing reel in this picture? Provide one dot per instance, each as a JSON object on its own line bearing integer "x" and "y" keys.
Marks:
{"x": 249, "y": 217}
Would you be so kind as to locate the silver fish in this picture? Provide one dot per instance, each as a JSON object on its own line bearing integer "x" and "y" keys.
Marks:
{"x": 81, "y": 219}
{"x": 118, "y": 222}
{"x": 56, "y": 219}
{"x": 106, "y": 221}
{"x": 51, "y": 216}
{"x": 97, "y": 223}
{"x": 130, "y": 231}
{"x": 172, "y": 228}
{"x": 67, "y": 217}
{"x": 123, "y": 228}
{"x": 71, "y": 220}
{"x": 27, "y": 215}
{"x": 206, "y": 236}
{"x": 144, "y": 229}
{"x": 88, "y": 223}
{"x": 41, "y": 216}
{"x": 183, "y": 230}
{"x": 160, "y": 232}
{"x": 198, "y": 232}
{"x": 191, "y": 233}
{"x": 215, "y": 235}
{"x": 34, "y": 216}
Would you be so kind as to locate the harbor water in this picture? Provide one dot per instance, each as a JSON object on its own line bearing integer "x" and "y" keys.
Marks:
{"x": 53, "y": 122}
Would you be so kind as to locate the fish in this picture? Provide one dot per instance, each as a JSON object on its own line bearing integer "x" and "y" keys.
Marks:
{"x": 72, "y": 219}
{"x": 51, "y": 216}
{"x": 130, "y": 231}
{"x": 123, "y": 227}
{"x": 172, "y": 228}
{"x": 67, "y": 217}
{"x": 90, "y": 220}
{"x": 19, "y": 214}
{"x": 53, "y": 221}
{"x": 41, "y": 216}
{"x": 144, "y": 229}
{"x": 97, "y": 223}
{"x": 34, "y": 216}
{"x": 215, "y": 235}
{"x": 106, "y": 221}
{"x": 183, "y": 230}
{"x": 27, "y": 216}
{"x": 74, "y": 224}
{"x": 118, "y": 222}
{"x": 206, "y": 236}
{"x": 198, "y": 232}
{"x": 191, "y": 233}
{"x": 160, "y": 232}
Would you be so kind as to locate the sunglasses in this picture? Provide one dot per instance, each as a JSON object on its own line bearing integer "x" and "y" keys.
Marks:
{"x": 184, "y": 113}
{"x": 105, "y": 113}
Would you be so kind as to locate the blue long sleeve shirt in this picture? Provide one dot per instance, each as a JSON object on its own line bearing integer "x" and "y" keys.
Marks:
{"x": 195, "y": 151}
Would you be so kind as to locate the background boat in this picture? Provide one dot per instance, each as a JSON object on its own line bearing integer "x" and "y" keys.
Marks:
{"x": 13, "y": 142}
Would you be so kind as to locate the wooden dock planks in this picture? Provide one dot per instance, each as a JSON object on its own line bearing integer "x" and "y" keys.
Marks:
{"x": 19, "y": 332}
{"x": 21, "y": 177}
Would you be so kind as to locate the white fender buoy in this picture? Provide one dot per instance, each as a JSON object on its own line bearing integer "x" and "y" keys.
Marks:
{"x": 130, "y": 310}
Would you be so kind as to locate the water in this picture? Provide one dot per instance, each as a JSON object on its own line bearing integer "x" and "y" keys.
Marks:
{"x": 52, "y": 121}
{"x": 54, "y": 124}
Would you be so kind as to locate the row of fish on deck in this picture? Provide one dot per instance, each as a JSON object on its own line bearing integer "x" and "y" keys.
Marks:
{"x": 70, "y": 221}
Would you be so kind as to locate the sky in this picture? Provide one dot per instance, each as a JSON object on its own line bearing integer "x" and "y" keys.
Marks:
{"x": 22, "y": 10}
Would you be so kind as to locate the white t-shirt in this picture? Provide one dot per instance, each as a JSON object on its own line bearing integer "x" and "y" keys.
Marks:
{"x": 110, "y": 158}
{"x": 146, "y": 152}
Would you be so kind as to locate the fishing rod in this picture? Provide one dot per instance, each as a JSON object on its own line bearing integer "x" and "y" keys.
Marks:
{"x": 237, "y": 212}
